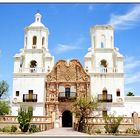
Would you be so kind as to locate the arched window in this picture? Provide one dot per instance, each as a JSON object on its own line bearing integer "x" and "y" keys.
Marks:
{"x": 103, "y": 65}
{"x": 118, "y": 93}
{"x": 94, "y": 41}
{"x": 33, "y": 64}
{"x": 103, "y": 41}
{"x": 111, "y": 42}
{"x": 34, "y": 40}
{"x": 102, "y": 45}
{"x": 21, "y": 62}
{"x": 43, "y": 41}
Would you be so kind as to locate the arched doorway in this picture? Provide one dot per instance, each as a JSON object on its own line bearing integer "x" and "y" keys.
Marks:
{"x": 67, "y": 119}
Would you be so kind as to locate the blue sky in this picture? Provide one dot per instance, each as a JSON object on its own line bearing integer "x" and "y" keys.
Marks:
{"x": 69, "y": 38}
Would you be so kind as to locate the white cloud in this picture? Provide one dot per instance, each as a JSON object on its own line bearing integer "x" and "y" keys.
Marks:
{"x": 127, "y": 20}
{"x": 131, "y": 65}
{"x": 133, "y": 78}
{"x": 61, "y": 48}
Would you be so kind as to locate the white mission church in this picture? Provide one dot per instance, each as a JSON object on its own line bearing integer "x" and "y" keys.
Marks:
{"x": 51, "y": 87}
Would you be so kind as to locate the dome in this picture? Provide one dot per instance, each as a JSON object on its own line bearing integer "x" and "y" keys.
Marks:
{"x": 37, "y": 22}
{"x": 17, "y": 55}
{"x": 89, "y": 53}
{"x": 119, "y": 55}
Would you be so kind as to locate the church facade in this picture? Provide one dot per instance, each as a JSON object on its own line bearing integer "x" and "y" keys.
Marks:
{"x": 50, "y": 87}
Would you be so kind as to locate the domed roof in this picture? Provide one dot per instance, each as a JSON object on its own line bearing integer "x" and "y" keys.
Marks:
{"x": 37, "y": 22}
{"x": 118, "y": 53}
{"x": 89, "y": 53}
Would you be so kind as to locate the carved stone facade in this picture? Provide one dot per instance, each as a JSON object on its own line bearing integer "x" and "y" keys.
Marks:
{"x": 65, "y": 75}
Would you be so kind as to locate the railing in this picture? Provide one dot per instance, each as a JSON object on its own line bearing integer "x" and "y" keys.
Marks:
{"x": 43, "y": 122}
{"x": 105, "y": 98}
{"x": 66, "y": 97}
{"x": 105, "y": 70}
{"x": 31, "y": 70}
{"x": 29, "y": 98}
{"x": 95, "y": 122}
{"x": 100, "y": 120}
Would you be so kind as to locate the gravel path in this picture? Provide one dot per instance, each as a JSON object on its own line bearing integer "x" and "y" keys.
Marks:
{"x": 60, "y": 132}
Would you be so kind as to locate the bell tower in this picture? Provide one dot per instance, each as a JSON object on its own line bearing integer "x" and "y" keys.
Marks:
{"x": 102, "y": 36}
{"x": 36, "y": 35}
{"x": 31, "y": 66}
{"x": 104, "y": 63}
{"x": 35, "y": 55}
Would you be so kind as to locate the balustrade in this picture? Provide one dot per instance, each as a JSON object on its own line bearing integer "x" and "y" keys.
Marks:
{"x": 66, "y": 97}
{"x": 105, "y": 98}
{"x": 105, "y": 70}
{"x": 31, "y": 70}
{"x": 29, "y": 98}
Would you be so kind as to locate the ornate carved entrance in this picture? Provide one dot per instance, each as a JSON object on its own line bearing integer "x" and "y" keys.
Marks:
{"x": 64, "y": 84}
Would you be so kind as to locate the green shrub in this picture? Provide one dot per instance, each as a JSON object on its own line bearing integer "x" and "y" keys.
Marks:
{"x": 34, "y": 129}
{"x": 98, "y": 131}
{"x": 1, "y": 129}
{"x": 24, "y": 118}
{"x": 132, "y": 131}
{"x": 13, "y": 128}
{"x": 112, "y": 123}
{"x": 6, "y": 129}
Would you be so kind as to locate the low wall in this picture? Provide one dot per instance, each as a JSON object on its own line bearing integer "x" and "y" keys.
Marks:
{"x": 98, "y": 122}
{"x": 43, "y": 122}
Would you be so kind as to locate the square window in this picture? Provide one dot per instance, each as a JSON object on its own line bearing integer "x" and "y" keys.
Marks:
{"x": 17, "y": 93}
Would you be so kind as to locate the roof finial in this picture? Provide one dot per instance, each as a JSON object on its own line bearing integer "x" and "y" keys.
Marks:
{"x": 38, "y": 17}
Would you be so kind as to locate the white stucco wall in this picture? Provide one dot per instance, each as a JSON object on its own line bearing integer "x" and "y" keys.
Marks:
{"x": 24, "y": 84}
{"x": 97, "y": 33}
{"x": 111, "y": 77}
{"x": 38, "y": 109}
{"x": 34, "y": 56}
{"x": 39, "y": 33}
{"x": 111, "y": 83}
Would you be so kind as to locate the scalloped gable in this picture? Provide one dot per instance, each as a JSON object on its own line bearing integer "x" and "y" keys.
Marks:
{"x": 68, "y": 71}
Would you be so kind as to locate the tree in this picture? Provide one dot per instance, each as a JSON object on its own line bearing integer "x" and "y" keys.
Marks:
{"x": 4, "y": 108}
{"x": 82, "y": 108}
{"x": 130, "y": 94}
{"x": 24, "y": 118}
{"x": 3, "y": 88}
